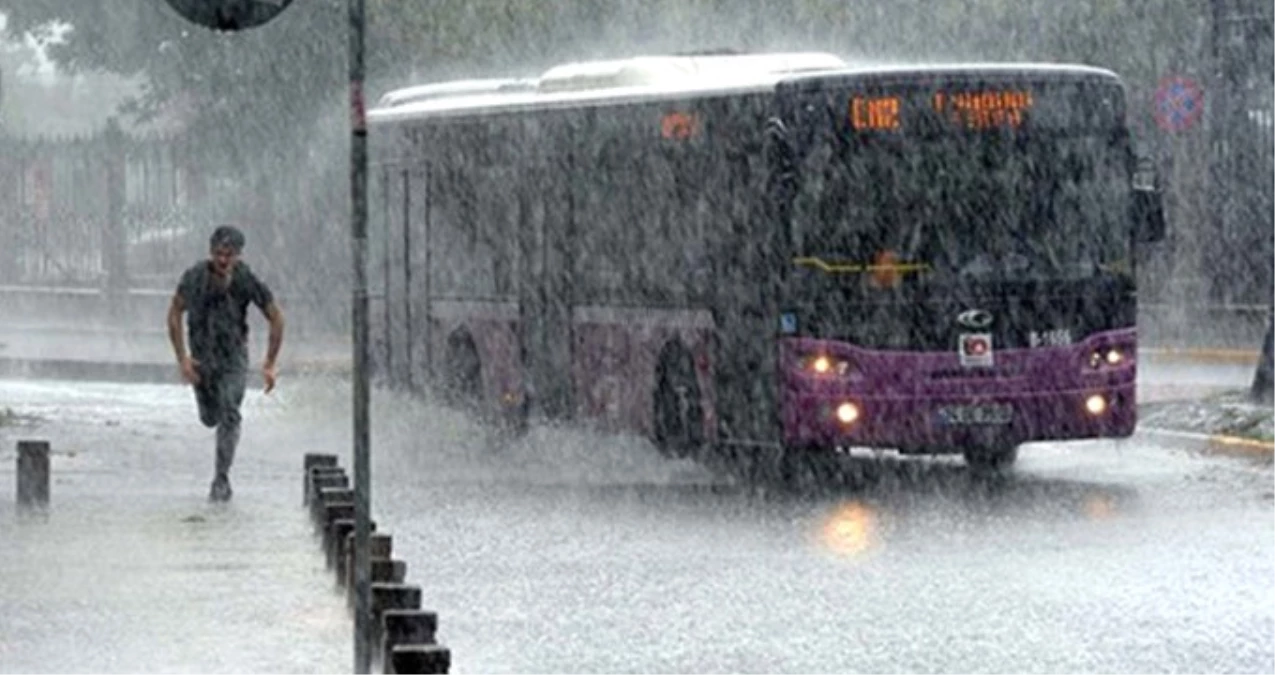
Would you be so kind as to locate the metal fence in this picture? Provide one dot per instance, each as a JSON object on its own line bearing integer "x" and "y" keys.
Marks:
{"x": 106, "y": 210}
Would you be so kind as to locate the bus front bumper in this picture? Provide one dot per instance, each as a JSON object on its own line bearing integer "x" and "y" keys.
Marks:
{"x": 949, "y": 424}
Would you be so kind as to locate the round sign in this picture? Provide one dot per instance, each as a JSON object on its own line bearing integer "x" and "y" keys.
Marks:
{"x": 229, "y": 15}
{"x": 1179, "y": 103}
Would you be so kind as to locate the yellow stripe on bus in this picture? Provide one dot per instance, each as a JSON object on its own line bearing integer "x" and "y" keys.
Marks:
{"x": 858, "y": 268}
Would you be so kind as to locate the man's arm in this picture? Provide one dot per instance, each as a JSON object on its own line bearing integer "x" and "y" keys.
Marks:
{"x": 185, "y": 363}
{"x": 175, "y": 309}
{"x": 275, "y": 316}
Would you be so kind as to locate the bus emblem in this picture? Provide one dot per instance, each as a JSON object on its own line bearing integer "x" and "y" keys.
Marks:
{"x": 788, "y": 323}
{"x": 975, "y": 350}
{"x": 975, "y": 318}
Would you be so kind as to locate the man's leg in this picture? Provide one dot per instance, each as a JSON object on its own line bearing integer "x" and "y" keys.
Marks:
{"x": 230, "y": 397}
{"x": 206, "y": 397}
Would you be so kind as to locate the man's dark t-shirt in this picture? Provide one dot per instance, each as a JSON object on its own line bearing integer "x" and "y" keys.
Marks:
{"x": 217, "y": 317}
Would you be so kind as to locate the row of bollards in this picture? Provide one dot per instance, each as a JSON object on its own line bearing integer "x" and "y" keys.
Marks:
{"x": 33, "y": 474}
{"x": 404, "y": 632}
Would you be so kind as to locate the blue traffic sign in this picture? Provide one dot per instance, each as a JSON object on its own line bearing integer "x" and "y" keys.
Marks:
{"x": 1178, "y": 104}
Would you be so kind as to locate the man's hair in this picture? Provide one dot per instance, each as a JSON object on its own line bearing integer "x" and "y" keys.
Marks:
{"x": 227, "y": 235}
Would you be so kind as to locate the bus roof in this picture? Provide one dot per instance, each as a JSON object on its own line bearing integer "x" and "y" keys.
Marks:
{"x": 651, "y": 78}
{"x": 455, "y": 88}
{"x": 581, "y": 83}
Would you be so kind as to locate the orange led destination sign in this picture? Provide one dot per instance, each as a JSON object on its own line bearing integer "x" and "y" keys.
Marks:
{"x": 984, "y": 109}
{"x": 679, "y": 126}
{"x": 974, "y": 110}
{"x": 874, "y": 113}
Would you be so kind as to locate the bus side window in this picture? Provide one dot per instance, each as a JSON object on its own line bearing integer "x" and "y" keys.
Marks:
{"x": 691, "y": 216}
{"x": 656, "y": 214}
{"x": 496, "y": 227}
{"x": 453, "y": 234}
{"x": 600, "y": 204}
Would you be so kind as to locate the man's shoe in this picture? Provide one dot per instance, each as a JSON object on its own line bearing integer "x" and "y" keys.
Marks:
{"x": 220, "y": 491}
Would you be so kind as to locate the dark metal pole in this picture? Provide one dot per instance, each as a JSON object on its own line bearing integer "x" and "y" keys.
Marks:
{"x": 362, "y": 465}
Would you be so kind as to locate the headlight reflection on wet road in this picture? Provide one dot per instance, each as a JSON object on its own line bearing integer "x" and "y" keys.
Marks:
{"x": 851, "y": 530}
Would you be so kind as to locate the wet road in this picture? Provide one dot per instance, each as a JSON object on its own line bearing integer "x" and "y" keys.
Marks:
{"x": 573, "y": 552}
{"x": 570, "y": 555}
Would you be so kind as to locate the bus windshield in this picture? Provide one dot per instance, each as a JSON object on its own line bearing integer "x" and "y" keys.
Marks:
{"x": 966, "y": 207}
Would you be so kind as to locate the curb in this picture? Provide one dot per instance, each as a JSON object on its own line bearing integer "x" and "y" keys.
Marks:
{"x": 139, "y": 372}
{"x": 70, "y": 369}
{"x": 1215, "y": 444}
{"x": 1244, "y": 357}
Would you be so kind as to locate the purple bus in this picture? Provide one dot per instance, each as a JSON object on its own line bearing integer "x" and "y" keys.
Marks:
{"x": 782, "y": 254}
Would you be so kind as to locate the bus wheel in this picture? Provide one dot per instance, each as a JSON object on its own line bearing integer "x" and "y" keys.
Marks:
{"x": 679, "y": 416}
{"x": 991, "y": 460}
{"x": 462, "y": 385}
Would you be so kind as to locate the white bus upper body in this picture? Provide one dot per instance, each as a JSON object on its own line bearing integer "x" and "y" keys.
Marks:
{"x": 649, "y": 78}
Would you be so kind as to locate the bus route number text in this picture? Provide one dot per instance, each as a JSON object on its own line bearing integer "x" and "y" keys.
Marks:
{"x": 1057, "y": 337}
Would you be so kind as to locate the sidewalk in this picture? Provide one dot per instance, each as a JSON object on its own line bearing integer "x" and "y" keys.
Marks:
{"x": 131, "y": 569}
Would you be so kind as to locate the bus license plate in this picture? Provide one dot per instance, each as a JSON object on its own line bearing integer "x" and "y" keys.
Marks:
{"x": 982, "y": 413}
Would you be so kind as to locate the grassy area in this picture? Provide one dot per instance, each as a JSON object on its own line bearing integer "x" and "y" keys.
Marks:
{"x": 1229, "y": 413}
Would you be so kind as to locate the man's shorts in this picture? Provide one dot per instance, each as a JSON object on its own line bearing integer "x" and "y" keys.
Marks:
{"x": 219, "y": 395}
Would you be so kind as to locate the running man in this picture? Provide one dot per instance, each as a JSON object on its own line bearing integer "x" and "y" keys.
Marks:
{"x": 214, "y": 294}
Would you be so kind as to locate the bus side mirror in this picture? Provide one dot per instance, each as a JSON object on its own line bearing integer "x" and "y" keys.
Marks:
{"x": 1148, "y": 215}
{"x": 1148, "y": 203}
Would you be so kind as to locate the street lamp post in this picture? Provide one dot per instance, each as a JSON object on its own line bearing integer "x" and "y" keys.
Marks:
{"x": 236, "y": 15}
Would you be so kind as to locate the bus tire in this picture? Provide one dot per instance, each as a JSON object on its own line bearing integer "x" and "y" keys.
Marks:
{"x": 678, "y": 422}
{"x": 991, "y": 460}
{"x": 462, "y": 372}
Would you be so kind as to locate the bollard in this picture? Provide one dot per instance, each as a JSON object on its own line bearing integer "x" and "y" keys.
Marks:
{"x": 337, "y": 532}
{"x": 332, "y": 512}
{"x": 406, "y": 627}
{"x": 312, "y": 460}
{"x": 324, "y": 476}
{"x": 379, "y": 547}
{"x": 325, "y": 496}
{"x": 33, "y": 473}
{"x": 331, "y": 494}
{"x": 420, "y": 659}
{"x": 389, "y": 596}
{"x": 329, "y": 482}
{"x": 342, "y": 550}
{"x": 379, "y": 572}
{"x": 334, "y": 543}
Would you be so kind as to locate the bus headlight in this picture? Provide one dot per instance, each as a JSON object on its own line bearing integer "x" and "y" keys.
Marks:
{"x": 847, "y": 413}
{"x": 822, "y": 364}
{"x": 1096, "y": 405}
{"x": 1107, "y": 356}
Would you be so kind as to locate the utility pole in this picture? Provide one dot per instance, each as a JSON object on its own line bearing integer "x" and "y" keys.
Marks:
{"x": 359, "y": 311}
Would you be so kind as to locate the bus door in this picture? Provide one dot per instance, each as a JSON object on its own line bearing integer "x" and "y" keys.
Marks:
{"x": 404, "y": 307}
{"x": 417, "y": 258}
{"x": 748, "y": 255}
{"x": 545, "y": 294}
